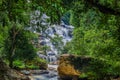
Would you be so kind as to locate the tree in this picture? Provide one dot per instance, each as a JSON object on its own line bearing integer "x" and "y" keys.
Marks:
{"x": 97, "y": 31}
{"x": 18, "y": 46}
{"x": 16, "y": 13}
{"x": 14, "y": 17}
{"x": 53, "y": 8}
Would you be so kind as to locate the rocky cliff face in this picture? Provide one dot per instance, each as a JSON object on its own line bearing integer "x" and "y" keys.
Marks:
{"x": 9, "y": 74}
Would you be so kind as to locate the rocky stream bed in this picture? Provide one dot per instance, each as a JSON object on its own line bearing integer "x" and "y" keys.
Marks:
{"x": 49, "y": 74}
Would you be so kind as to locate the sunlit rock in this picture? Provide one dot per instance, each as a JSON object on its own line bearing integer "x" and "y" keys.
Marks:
{"x": 66, "y": 70}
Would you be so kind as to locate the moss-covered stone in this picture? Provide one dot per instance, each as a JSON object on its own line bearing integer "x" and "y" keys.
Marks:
{"x": 66, "y": 70}
{"x": 74, "y": 67}
{"x": 9, "y": 74}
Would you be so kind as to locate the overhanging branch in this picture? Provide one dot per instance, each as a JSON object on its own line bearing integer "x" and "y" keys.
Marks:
{"x": 103, "y": 8}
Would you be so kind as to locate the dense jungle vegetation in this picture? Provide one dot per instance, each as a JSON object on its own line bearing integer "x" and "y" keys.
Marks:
{"x": 96, "y": 33}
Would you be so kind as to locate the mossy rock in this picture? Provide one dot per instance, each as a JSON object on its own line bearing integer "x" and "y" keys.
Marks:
{"x": 66, "y": 70}
{"x": 7, "y": 73}
{"x": 75, "y": 66}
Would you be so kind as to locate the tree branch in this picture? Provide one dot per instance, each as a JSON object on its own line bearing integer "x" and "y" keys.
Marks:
{"x": 103, "y": 8}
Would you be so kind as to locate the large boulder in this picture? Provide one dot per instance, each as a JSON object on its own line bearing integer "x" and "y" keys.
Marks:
{"x": 74, "y": 67}
{"x": 71, "y": 67}
{"x": 66, "y": 70}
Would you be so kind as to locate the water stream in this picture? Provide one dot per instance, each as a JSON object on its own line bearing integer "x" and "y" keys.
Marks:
{"x": 52, "y": 75}
{"x": 52, "y": 36}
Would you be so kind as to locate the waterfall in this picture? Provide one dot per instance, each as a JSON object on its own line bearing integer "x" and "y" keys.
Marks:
{"x": 53, "y": 36}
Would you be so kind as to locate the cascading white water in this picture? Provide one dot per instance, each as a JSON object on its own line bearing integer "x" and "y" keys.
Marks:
{"x": 53, "y": 36}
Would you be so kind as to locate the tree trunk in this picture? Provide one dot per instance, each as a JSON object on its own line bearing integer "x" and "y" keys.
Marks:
{"x": 11, "y": 58}
{"x": 13, "y": 46}
{"x": 11, "y": 62}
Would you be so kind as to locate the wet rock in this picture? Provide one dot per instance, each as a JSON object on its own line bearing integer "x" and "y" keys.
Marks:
{"x": 66, "y": 70}
{"x": 51, "y": 74}
{"x": 37, "y": 72}
{"x": 26, "y": 72}
{"x": 43, "y": 66}
{"x": 52, "y": 67}
{"x": 72, "y": 66}
{"x": 42, "y": 43}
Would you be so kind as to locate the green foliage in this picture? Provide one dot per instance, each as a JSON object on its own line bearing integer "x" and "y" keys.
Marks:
{"x": 83, "y": 75}
{"x": 44, "y": 49}
{"x": 35, "y": 63}
{"x": 67, "y": 47}
{"x": 92, "y": 68}
{"x": 3, "y": 36}
{"x": 66, "y": 18}
{"x": 99, "y": 68}
{"x": 32, "y": 67}
{"x": 96, "y": 34}
{"x": 16, "y": 42}
{"x": 57, "y": 42}
{"x": 52, "y": 8}
{"x": 38, "y": 60}
{"x": 19, "y": 64}
{"x": 18, "y": 45}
